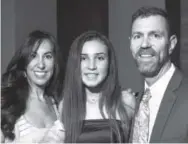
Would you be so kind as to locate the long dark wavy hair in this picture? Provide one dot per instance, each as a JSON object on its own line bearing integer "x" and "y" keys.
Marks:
{"x": 74, "y": 96}
{"x": 15, "y": 87}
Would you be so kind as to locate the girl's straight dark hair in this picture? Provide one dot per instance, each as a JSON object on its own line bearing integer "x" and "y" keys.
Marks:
{"x": 74, "y": 97}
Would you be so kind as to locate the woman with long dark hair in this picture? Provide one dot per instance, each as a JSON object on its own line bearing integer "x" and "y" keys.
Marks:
{"x": 30, "y": 89}
{"x": 92, "y": 108}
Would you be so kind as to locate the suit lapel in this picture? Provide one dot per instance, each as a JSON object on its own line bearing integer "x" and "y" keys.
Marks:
{"x": 162, "y": 116}
{"x": 165, "y": 107}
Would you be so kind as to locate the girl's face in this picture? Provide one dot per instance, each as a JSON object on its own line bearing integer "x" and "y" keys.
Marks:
{"x": 94, "y": 63}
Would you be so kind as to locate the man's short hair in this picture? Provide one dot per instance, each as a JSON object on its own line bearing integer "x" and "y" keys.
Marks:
{"x": 145, "y": 12}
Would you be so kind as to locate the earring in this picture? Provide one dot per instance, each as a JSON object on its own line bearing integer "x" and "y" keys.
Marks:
{"x": 24, "y": 74}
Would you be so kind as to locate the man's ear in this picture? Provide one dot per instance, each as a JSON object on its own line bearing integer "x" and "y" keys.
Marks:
{"x": 173, "y": 42}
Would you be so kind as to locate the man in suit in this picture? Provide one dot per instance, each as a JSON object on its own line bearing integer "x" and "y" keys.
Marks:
{"x": 151, "y": 44}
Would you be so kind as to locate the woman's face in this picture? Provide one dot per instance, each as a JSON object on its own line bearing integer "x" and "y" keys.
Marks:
{"x": 94, "y": 63}
{"x": 41, "y": 67}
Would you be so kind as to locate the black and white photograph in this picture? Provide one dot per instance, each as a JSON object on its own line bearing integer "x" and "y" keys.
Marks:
{"x": 94, "y": 71}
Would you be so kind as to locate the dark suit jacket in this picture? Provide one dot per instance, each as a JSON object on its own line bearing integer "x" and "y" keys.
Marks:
{"x": 171, "y": 124}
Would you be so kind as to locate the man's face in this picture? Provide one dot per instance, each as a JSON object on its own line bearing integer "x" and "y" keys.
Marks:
{"x": 150, "y": 44}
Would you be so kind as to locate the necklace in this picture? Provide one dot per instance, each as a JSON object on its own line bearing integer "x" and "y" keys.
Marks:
{"x": 93, "y": 99}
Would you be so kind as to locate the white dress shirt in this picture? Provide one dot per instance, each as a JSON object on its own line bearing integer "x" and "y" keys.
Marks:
{"x": 157, "y": 92}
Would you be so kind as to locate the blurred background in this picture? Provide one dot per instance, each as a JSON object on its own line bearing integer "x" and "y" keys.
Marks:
{"x": 66, "y": 19}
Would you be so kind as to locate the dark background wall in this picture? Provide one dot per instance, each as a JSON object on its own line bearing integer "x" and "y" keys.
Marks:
{"x": 7, "y": 32}
{"x": 184, "y": 37}
{"x": 173, "y": 8}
